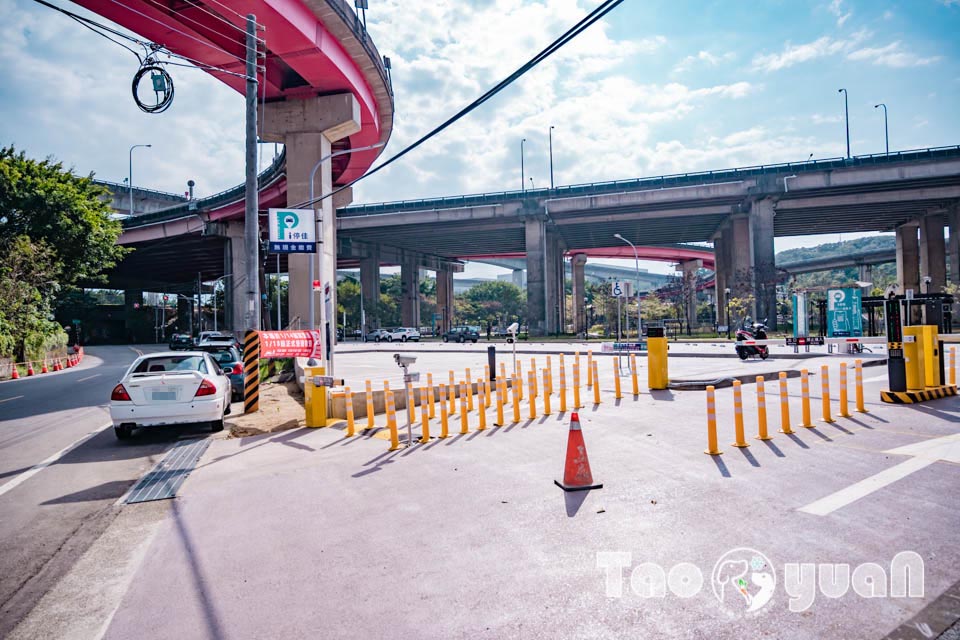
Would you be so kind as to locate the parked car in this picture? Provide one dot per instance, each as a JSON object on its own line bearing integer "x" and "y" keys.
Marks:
{"x": 462, "y": 334}
{"x": 217, "y": 339}
{"x": 181, "y": 341}
{"x": 169, "y": 388}
{"x": 376, "y": 335}
{"x": 228, "y": 357}
{"x": 403, "y": 334}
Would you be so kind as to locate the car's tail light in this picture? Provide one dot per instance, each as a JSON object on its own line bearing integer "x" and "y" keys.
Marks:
{"x": 206, "y": 388}
{"x": 120, "y": 394}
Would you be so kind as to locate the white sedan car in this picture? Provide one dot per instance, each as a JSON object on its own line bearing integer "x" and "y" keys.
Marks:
{"x": 172, "y": 387}
{"x": 402, "y": 334}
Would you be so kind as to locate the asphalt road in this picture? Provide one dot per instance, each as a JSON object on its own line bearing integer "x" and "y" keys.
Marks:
{"x": 62, "y": 471}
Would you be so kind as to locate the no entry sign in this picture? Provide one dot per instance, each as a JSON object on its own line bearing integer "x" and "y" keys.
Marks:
{"x": 290, "y": 344}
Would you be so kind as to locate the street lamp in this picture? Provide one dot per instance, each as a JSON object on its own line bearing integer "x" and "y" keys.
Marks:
{"x": 130, "y": 177}
{"x": 532, "y": 187}
{"x": 846, "y": 112}
{"x": 726, "y": 296}
{"x": 523, "y": 182}
{"x": 636, "y": 258}
{"x": 886, "y": 131}
{"x": 313, "y": 256}
{"x": 550, "y": 133}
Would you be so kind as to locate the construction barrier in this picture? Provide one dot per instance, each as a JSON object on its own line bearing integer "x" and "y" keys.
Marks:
{"x": 251, "y": 374}
{"x": 738, "y": 416}
{"x": 531, "y": 385}
{"x": 424, "y": 417}
{"x": 515, "y": 388}
{"x": 430, "y": 400}
{"x": 501, "y": 398}
{"x": 616, "y": 378}
{"x": 576, "y": 385}
{"x": 369, "y": 398}
{"x": 843, "y": 391}
{"x": 481, "y": 407}
{"x": 596, "y": 384}
{"x": 464, "y": 419}
{"x": 633, "y": 375}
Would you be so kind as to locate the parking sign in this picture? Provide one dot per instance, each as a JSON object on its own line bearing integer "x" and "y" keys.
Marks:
{"x": 292, "y": 231}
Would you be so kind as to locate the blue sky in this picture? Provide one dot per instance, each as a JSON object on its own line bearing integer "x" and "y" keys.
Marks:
{"x": 658, "y": 87}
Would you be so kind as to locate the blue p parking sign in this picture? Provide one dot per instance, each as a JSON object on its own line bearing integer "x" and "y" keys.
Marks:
{"x": 292, "y": 231}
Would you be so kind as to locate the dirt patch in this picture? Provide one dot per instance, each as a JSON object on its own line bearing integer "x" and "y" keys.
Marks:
{"x": 281, "y": 408}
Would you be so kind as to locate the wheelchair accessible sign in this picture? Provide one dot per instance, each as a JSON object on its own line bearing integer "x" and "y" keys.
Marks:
{"x": 292, "y": 231}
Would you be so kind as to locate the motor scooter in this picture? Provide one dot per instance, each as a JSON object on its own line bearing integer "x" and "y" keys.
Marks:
{"x": 750, "y": 330}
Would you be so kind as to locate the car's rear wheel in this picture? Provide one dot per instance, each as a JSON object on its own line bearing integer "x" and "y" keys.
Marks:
{"x": 389, "y": 338}
{"x": 376, "y": 339}
{"x": 460, "y": 340}
{"x": 446, "y": 338}
{"x": 123, "y": 432}
{"x": 403, "y": 339}
{"x": 474, "y": 341}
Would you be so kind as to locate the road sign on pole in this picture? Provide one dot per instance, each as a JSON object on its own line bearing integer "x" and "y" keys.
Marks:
{"x": 620, "y": 289}
{"x": 292, "y": 231}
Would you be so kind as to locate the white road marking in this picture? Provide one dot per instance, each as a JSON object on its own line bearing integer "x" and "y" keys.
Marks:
{"x": 9, "y": 399}
{"x": 875, "y": 378}
{"x": 88, "y": 377}
{"x": 924, "y": 454}
{"x": 34, "y": 470}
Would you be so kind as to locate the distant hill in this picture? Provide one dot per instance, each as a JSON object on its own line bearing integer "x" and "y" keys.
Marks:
{"x": 882, "y": 274}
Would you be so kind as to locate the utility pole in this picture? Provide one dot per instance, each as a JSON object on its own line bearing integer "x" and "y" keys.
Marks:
{"x": 251, "y": 231}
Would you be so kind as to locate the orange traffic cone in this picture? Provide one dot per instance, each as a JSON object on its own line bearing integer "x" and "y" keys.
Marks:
{"x": 29, "y": 369}
{"x": 56, "y": 365}
{"x": 16, "y": 374}
{"x": 44, "y": 368}
{"x": 69, "y": 362}
{"x": 576, "y": 470}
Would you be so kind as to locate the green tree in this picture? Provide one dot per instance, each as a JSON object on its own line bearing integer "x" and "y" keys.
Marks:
{"x": 493, "y": 302}
{"x": 28, "y": 284}
{"x": 348, "y": 300}
{"x": 68, "y": 214}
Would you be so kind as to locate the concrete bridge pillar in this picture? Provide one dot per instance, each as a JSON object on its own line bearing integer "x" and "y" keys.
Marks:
{"x": 517, "y": 277}
{"x": 235, "y": 287}
{"x": 690, "y": 268}
{"x": 740, "y": 247}
{"x": 577, "y": 263}
{"x": 553, "y": 277}
{"x": 933, "y": 263}
{"x": 370, "y": 289}
{"x": 445, "y": 299}
{"x": 184, "y": 316}
{"x": 865, "y": 272}
{"x": 410, "y": 293}
{"x": 953, "y": 221}
{"x": 720, "y": 273}
{"x": 536, "y": 247}
{"x": 307, "y": 128}
{"x": 764, "y": 267}
{"x": 908, "y": 261}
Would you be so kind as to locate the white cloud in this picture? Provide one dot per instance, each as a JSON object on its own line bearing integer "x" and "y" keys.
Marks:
{"x": 888, "y": 15}
{"x": 819, "y": 118}
{"x": 837, "y": 9}
{"x": 892, "y": 55}
{"x": 795, "y": 54}
{"x": 702, "y": 57}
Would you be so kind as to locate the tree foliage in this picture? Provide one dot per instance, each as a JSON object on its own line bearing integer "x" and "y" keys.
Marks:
{"x": 28, "y": 284}
{"x": 495, "y": 302}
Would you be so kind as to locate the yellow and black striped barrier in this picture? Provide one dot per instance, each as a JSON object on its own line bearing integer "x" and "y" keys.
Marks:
{"x": 920, "y": 395}
{"x": 251, "y": 372}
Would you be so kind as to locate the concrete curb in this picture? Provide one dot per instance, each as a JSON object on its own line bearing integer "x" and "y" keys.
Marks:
{"x": 722, "y": 383}
{"x": 596, "y": 353}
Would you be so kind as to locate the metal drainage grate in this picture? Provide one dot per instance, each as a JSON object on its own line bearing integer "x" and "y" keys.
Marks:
{"x": 164, "y": 479}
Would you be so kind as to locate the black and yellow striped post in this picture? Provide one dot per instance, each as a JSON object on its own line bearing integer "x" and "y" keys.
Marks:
{"x": 251, "y": 372}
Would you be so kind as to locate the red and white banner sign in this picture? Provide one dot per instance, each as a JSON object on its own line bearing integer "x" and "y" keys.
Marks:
{"x": 290, "y": 344}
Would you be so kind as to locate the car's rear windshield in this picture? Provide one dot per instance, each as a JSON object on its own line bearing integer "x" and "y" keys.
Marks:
{"x": 225, "y": 356}
{"x": 161, "y": 364}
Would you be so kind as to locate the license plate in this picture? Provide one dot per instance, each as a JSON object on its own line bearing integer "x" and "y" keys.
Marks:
{"x": 164, "y": 395}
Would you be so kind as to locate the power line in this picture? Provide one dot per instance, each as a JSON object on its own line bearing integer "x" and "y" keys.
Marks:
{"x": 595, "y": 15}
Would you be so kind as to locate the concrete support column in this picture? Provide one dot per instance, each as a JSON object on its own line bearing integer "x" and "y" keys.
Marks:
{"x": 410, "y": 293}
{"x": 308, "y": 127}
{"x": 370, "y": 286}
{"x": 552, "y": 280}
{"x": 741, "y": 263}
{"x": 517, "y": 278}
{"x": 953, "y": 222}
{"x": 690, "y": 268}
{"x": 577, "y": 263}
{"x": 445, "y": 299}
{"x": 764, "y": 266}
{"x": 908, "y": 259}
{"x": 235, "y": 287}
{"x": 865, "y": 272}
{"x": 185, "y": 316}
{"x": 535, "y": 234}
{"x": 720, "y": 270}
{"x": 563, "y": 293}
{"x": 933, "y": 257}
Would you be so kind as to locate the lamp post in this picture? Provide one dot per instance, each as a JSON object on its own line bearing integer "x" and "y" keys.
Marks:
{"x": 130, "y": 176}
{"x": 532, "y": 187}
{"x": 636, "y": 258}
{"x": 846, "y": 113}
{"x": 726, "y": 296}
{"x": 886, "y": 131}
{"x": 550, "y": 133}
{"x": 523, "y": 181}
{"x": 313, "y": 256}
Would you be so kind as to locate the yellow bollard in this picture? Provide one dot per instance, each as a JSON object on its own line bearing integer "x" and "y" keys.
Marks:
{"x": 596, "y": 384}
{"x": 562, "y": 391}
{"x": 392, "y": 420}
{"x": 576, "y": 385}
{"x": 761, "y": 411}
{"x": 481, "y": 406}
{"x": 469, "y": 391}
{"x": 535, "y": 387}
{"x": 805, "y": 398}
{"x": 348, "y": 401}
{"x": 503, "y": 371}
{"x": 633, "y": 374}
{"x": 616, "y": 378}
{"x": 515, "y": 387}
{"x": 464, "y": 425}
{"x": 563, "y": 367}
{"x": 953, "y": 366}
{"x": 369, "y": 389}
{"x": 546, "y": 393}
{"x": 433, "y": 410}
{"x": 825, "y": 393}
{"x": 501, "y": 397}
{"x": 784, "y": 405}
{"x": 548, "y": 385}
{"x": 486, "y": 384}
{"x": 531, "y": 380}
{"x": 711, "y": 424}
{"x": 411, "y": 404}
{"x": 444, "y": 419}
{"x": 858, "y": 378}
{"x": 843, "y": 391}
{"x": 424, "y": 416}
{"x": 590, "y": 380}
{"x": 452, "y": 392}
{"x": 520, "y": 379}
{"x": 738, "y": 415}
